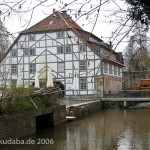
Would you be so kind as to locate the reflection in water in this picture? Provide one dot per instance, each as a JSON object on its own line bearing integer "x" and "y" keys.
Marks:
{"x": 112, "y": 129}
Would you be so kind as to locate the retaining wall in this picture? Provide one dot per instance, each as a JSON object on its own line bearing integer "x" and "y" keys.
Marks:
{"x": 79, "y": 110}
{"x": 24, "y": 124}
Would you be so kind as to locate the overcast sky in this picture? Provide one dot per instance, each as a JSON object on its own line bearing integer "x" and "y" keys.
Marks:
{"x": 103, "y": 28}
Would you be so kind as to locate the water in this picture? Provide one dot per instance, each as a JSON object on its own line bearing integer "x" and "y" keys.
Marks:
{"x": 112, "y": 129}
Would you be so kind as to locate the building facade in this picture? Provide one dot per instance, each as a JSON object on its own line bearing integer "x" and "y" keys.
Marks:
{"x": 73, "y": 54}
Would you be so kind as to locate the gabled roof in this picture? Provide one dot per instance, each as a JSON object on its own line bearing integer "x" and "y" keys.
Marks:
{"x": 62, "y": 21}
{"x": 56, "y": 21}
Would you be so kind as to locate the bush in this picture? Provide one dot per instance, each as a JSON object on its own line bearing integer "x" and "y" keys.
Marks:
{"x": 50, "y": 101}
{"x": 19, "y": 101}
{"x": 17, "y": 105}
{"x": 47, "y": 101}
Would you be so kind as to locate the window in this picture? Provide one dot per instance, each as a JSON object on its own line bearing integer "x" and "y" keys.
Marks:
{"x": 118, "y": 71}
{"x": 26, "y": 52}
{"x": 31, "y": 37}
{"x": 68, "y": 49}
{"x": 32, "y": 51}
{"x": 14, "y": 52}
{"x": 83, "y": 84}
{"x": 60, "y": 35}
{"x": 115, "y": 70}
{"x": 32, "y": 68}
{"x": 105, "y": 68}
{"x": 83, "y": 66}
{"x": 110, "y": 68}
{"x": 60, "y": 49}
{"x": 61, "y": 67}
{"x": 14, "y": 69}
{"x": 82, "y": 48}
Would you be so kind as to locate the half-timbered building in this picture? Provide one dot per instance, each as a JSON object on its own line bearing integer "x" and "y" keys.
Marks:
{"x": 73, "y": 54}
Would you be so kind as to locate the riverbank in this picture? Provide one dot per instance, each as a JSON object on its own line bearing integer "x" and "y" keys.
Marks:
{"x": 118, "y": 129}
{"x": 28, "y": 122}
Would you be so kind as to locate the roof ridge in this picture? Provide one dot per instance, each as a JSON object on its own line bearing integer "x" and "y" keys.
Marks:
{"x": 45, "y": 25}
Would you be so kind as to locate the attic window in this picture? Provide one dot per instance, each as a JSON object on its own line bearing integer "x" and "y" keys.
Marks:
{"x": 31, "y": 37}
{"x": 82, "y": 48}
{"x": 54, "y": 15}
{"x": 60, "y": 35}
{"x": 51, "y": 22}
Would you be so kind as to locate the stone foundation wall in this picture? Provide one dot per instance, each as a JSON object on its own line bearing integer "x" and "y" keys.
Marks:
{"x": 83, "y": 109}
{"x": 24, "y": 124}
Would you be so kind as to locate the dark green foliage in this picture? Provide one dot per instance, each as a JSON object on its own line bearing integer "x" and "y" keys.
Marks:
{"x": 47, "y": 101}
{"x": 1, "y": 109}
{"x": 17, "y": 105}
{"x": 140, "y": 10}
{"x": 50, "y": 101}
{"x": 18, "y": 101}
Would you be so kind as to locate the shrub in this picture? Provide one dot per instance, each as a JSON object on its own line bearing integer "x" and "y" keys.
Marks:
{"x": 18, "y": 101}
{"x": 50, "y": 100}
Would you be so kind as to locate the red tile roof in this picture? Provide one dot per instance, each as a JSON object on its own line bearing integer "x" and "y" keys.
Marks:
{"x": 62, "y": 21}
{"x": 56, "y": 21}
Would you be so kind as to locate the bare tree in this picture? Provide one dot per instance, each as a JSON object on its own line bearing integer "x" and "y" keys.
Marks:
{"x": 4, "y": 39}
{"x": 89, "y": 11}
{"x": 115, "y": 13}
{"x": 137, "y": 55}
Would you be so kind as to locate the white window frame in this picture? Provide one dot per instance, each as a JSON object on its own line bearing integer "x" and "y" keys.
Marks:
{"x": 32, "y": 51}
{"x": 82, "y": 48}
{"x": 60, "y": 35}
{"x": 14, "y": 69}
{"x": 32, "y": 68}
{"x": 83, "y": 83}
{"x": 14, "y": 52}
{"x": 26, "y": 52}
{"x": 60, "y": 50}
{"x": 110, "y": 69}
{"x": 119, "y": 74}
{"x": 68, "y": 49}
{"x": 105, "y": 68}
{"x": 115, "y": 70}
{"x": 83, "y": 65}
{"x": 61, "y": 67}
{"x": 32, "y": 37}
